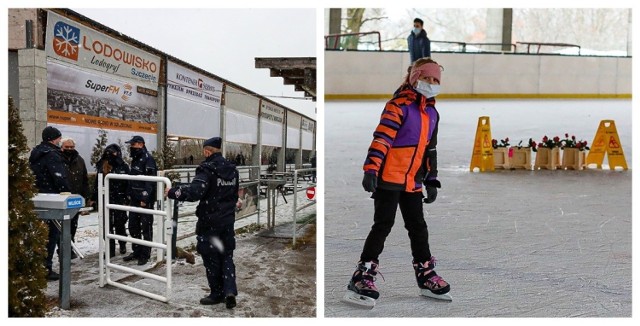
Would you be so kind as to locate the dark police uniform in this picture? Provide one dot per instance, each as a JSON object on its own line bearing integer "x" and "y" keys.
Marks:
{"x": 51, "y": 174}
{"x": 141, "y": 225}
{"x": 216, "y": 187}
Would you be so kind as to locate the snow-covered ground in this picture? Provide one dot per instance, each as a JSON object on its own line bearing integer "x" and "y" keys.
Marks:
{"x": 511, "y": 243}
{"x": 270, "y": 275}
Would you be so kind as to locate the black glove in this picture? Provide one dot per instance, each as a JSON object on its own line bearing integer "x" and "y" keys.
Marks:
{"x": 432, "y": 190}
{"x": 369, "y": 182}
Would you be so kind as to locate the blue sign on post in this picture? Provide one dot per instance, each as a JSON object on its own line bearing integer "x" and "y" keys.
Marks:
{"x": 74, "y": 202}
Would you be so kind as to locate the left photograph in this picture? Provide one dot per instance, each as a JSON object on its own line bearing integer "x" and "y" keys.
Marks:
{"x": 162, "y": 162}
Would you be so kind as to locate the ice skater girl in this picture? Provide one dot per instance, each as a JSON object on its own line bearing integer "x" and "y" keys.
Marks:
{"x": 402, "y": 157}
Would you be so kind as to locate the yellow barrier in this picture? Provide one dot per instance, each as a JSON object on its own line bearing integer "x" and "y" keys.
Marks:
{"x": 607, "y": 141}
{"x": 482, "y": 156}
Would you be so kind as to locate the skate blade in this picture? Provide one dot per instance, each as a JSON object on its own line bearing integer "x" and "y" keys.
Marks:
{"x": 443, "y": 297}
{"x": 359, "y": 300}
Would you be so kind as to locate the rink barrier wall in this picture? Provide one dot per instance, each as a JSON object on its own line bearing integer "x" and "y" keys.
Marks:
{"x": 360, "y": 75}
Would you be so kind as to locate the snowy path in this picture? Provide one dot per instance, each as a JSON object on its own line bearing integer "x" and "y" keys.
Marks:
{"x": 270, "y": 275}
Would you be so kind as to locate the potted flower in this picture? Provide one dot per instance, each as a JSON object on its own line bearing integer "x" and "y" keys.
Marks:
{"x": 501, "y": 153}
{"x": 547, "y": 153}
{"x": 520, "y": 156}
{"x": 574, "y": 153}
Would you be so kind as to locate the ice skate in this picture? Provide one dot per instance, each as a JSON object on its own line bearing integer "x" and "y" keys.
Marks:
{"x": 361, "y": 290}
{"x": 431, "y": 285}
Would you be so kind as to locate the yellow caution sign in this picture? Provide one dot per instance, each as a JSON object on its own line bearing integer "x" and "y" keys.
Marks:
{"x": 482, "y": 156}
{"x": 607, "y": 141}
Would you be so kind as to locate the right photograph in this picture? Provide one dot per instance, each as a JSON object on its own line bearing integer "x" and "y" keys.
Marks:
{"x": 478, "y": 162}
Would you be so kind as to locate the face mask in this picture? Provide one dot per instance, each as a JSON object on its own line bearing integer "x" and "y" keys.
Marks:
{"x": 417, "y": 31}
{"x": 70, "y": 152}
{"x": 428, "y": 90}
{"x": 134, "y": 151}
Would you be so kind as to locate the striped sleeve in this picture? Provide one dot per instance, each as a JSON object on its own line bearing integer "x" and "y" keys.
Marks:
{"x": 384, "y": 135}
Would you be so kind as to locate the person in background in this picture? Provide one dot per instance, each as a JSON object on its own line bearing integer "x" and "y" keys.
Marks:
{"x": 419, "y": 43}
{"x": 51, "y": 174}
{"x": 78, "y": 179}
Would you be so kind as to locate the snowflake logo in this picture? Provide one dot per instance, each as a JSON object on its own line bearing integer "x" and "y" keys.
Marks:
{"x": 66, "y": 40}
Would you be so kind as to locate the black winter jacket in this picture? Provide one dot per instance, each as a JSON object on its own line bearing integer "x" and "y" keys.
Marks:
{"x": 142, "y": 191}
{"x": 216, "y": 187}
{"x": 78, "y": 178}
{"x": 49, "y": 169}
{"x": 118, "y": 189}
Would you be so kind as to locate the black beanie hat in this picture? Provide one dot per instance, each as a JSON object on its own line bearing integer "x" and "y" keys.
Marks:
{"x": 50, "y": 133}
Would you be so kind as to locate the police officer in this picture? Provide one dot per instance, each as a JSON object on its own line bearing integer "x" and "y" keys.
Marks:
{"x": 48, "y": 166}
{"x": 141, "y": 194}
{"x": 216, "y": 187}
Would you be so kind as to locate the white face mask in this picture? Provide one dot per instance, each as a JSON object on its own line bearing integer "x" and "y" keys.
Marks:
{"x": 428, "y": 90}
{"x": 417, "y": 31}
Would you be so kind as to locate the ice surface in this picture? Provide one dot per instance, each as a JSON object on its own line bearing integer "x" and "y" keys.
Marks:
{"x": 510, "y": 243}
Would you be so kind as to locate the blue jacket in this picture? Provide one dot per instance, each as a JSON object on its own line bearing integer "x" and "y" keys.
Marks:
{"x": 216, "y": 186}
{"x": 419, "y": 46}
{"x": 48, "y": 166}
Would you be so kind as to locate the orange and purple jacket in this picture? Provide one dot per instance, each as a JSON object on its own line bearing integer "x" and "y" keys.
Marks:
{"x": 403, "y": 151}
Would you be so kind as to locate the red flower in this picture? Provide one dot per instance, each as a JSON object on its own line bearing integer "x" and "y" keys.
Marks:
{"x": 566, "y": 135}
{"x": 556, "y": 139}
{"x": 544, "y": 139}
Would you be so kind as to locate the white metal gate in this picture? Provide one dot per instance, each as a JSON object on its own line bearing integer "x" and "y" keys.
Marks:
{"x": 164, "y": 230}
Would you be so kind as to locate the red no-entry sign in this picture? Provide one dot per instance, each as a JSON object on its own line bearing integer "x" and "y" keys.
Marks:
{"x": 311, "y": 193}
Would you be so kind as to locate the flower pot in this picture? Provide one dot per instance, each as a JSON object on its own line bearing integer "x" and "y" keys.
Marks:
{"x": 547, "y": 158}
{"x": 573, "y": 159}
{"x": 520, "y": 158}
{"x": 501, "y": 158}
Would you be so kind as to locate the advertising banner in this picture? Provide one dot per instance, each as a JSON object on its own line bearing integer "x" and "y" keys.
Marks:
{"x": 80, "y": 98}
{"x": 190, "y": 85}
{"x": 79, "y": 45}
{"x": 272, "y": 113}
{"x": 247, "y": 201}
{"x": 307, "y": 125}
{"x": 193, "y": 103}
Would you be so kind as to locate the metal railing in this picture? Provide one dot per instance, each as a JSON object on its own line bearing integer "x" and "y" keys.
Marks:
{"x": 333, "y": 41}
{"x": 295, "y": 200}
{"x": 342, "y": 42}
{"x": 541, "y": 44}
{"x": 466, "y": 46}
{"x": 104, "y": 207}
{"x": 250, "y": 174}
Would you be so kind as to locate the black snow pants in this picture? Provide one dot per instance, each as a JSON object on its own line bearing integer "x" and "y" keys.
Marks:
{"x": 216, "y": 246}
{"x": 386, "y": 204}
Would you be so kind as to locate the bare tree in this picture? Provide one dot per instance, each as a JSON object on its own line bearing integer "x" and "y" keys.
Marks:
{"x": 602, "y": 29}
